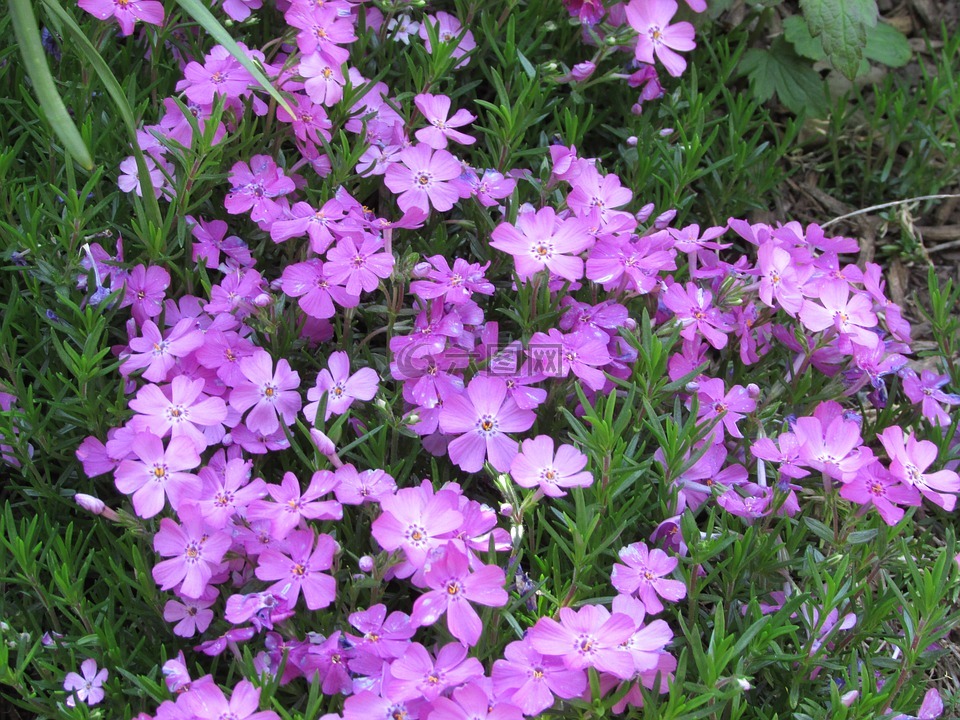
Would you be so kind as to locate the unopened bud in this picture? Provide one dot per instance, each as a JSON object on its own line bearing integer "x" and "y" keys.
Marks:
{"x": 420, "y": 270}
{"x": 632, "y": 141}
{"x": 692, "y": 386}
{"x": 262, "y": 300}
{"x": 630, "y": 324}
{"x": 96, "y": 506}
{"x": 753, "y": 390}
{"x": 848, "y": 698}
{"x": 744, "y": 684}
{"x": 506, "y": 509}
{"x": 366, "y": 564}
{"x": 324, "y": 444}
{"x": 581, "y": 71}
{"x": 645, "y": 212}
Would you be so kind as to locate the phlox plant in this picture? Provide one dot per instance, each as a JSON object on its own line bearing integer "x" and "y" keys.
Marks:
{"x": 426, "y": 414}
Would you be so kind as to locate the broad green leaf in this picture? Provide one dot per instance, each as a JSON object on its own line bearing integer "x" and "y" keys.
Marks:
{"x": 887, "y": 45}
{"x": 781, "y": 71}
{"x": 797, "y": 33}
{"x": 199, "y": 13}
{"x": 842, "y": 27}
{"x": 35, "y": 62}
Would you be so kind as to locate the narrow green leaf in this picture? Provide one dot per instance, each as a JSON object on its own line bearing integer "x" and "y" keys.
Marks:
{"x": 200, "y": 14}
{"x": 27, "y": 32}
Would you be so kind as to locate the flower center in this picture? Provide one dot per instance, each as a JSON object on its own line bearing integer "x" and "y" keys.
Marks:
{"x": 423, "y": 179}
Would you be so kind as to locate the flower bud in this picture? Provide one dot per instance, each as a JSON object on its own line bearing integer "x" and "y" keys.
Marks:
{"x": 324, "y": 444}
{"x": 89, "y": 503}
{"x": 645, "y": 212}
{"x": 581, "y": 71}
{"x": 632, "y": 141}
{"x": 506, "y": 509}
{"x": 848, "y": 698}
{"x": 366, "y": 564}
{"x": 262, "y": 300}
{"x": 421, "y": 269}
{"x": 753, "y": 390}
{"x": 692, "y": 386}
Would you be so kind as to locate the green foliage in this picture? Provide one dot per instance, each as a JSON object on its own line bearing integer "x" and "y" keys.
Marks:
{"x": 842, "y": 26}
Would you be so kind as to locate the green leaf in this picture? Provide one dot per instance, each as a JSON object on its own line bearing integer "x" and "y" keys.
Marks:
{"x": 199, "y": 13}
{"x": 842, "y": 27}
{"x": 887, "y": 46}
{"x": 781, "y": 71}
{"x": 797, "y": 33}
{"x": 27, "y": 32}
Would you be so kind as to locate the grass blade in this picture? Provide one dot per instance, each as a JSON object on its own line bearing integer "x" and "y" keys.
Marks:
{"x": 35, "y": 62}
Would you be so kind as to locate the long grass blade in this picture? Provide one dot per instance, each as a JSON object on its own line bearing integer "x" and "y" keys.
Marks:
{"x": 35, "y": 62}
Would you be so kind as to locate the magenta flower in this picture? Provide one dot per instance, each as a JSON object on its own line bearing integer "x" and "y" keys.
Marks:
{"x": 304, "y": 220}
{"x": 144, "y": 290}
{"x": 644, "y": 574}
{"x": 158, "y": 354}
{"x": 597, "y": 195}
{"x": 925, "y": 391}
{"x": 416, "y": 674}
{"x": 87, "y": 687}
{"x": 220, "y": 74}
{"x": 481, "y": 416}
{"x": 834, "y": 449}
{"x": 908, "y": 462}
{"x": 779, "y": 279}
{"x": 656, "y": 36}
{"x": 530, "y": 680}
{"x": 452, "y": 588}
{"x": 541, "y": 241}
{"x": 471, "y": 702}
{"x": 127, "y": 12}
{"x": 206, "y": 701}
{"x": 254, "y": 187}
{"x": 557, "y": 355}
{"x": 435, "y": 109}
{"x": 849, "y": 316}
{"x": 359, "y": 268}
{"x": 269, "y": 393}
{"x": 730, "y": 406}
{"x": 694, "y": 310}
{"x": 194, "y": 552}
{"x": 191, "y": 616}
{"x": 875, "y": 485}
{"x": 590, "y": 637}
{"x": 290, "y": 505}
{"x": 369, "y": 486}
{"x": 322, "y": 30}
{"x": 386, "y": 636}
{"x": 222, "y": 352}
{"x": 180, "y": 409}
{"x": 300, "y": 568}
{"x": 324, "y": 79}
{"x": 310, "y": 282}
{"x": 456, "y": 285}
{"x": 422, "y": 178}
{"x": 340, "y": 387}
{"x": 415, "y": 519}
{"x": 158, "y": 473}
{"x": 227, "y": 493}
{"x": 536, "y": 465}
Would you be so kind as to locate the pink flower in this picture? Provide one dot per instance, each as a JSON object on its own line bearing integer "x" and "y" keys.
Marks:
{"x": 925, "y": 390}
{"x": 158, "y": 473}
{"x": 471, "y": 702}
{"x": 290, "y": 504}
{"x": 448, "y": 30}
{"x": 435, "y": 109}
{"x": 340, "y": 387}
{"x": 541, "y": 241}
{"x": 87, "y": 688}
{"x": 254, "y": 187}
{"x": 310, "y": 282}
{"x": 422, "y": 178}
{"x": 180, "y": 409}
{"x": 909, "y": 461}
{"x": 359, "y": 268}
{"x": 158, "y": 353}
{"x": 144, "y": 291}
{"x": 191, "y": 616}
{"x": 415, "y": 519}
{"x": 850, "y": 317}
{"x": 301, "y": 567}
{"x": 874, "y": 485}
{"x": 655, "y": 36}
{"x": 269, "y": 393}
{"x": 416, "y": 674}
{"x": 530, "y": 680}
{"x": 481, "y": 416}
{"x": 127, "y": 12}
{"x": 452, "y": 585}
{"x": 590, "y": 637}
{"x": 206, "y": 701}
{"x": 644, "y": 574}
{"x": 697, "y": 315}
{"x": 557, "y": 355}
{"x": 194, "y": 552}
{"x": 536, "y": 465}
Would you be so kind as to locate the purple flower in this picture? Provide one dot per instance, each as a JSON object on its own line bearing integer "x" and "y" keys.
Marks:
{"x": 557, "y": 355}
{"x": 126, "y": 14}
{"x": 182, "y": 411}
{"x": 87, "y": 688}
{"x": 194, "y": 552}
{"x": 386, "y": 636}
{"x": 414, "y": 519}
{"x": 471, "y": 702}
{"x": 290, "y": 505}
{"x": 452, "y": 585}
{"x": 874, "y": 485}
{"x": 301, "y": 568}
{"x": 206, "y": 701}
{"x": 481, "y": 416}
{"x": 254, "y": 187}
{"x": 159, "y": 354}
{"x": 590, "y": 637}
{"x": 925, "y": 390}
{"x": 448, "y": 30}
{"x": 416, "y": 674}
{"x": 644, "y": 574}
{"x": 310, "y": 281}
{"x": 696, "y": 314}
{"x": 536, "y": 465}
{"x": 269, "y": 393}
{"x": 542, "y": 241}
{"x": 435, "y": 109}
{"x": 422, "y": 178}
{"x": 158, "y": 472}
{"x": 191, "y": 616}
{"x": 144, "y": 291}
{"x": 361, "y": 267}
{"x": 530, "y": 680}
{"x": 655, "y": 36}
{"x": 909, "y": 461}
{"x": 340, "y": 387}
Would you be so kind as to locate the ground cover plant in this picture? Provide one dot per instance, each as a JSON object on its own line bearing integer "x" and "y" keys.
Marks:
{"x": 452, "y": 360}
